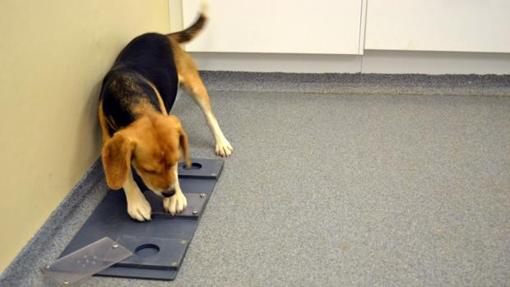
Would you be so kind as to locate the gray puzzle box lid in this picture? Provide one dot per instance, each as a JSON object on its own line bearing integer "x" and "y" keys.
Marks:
{"x": 158, "y": 246}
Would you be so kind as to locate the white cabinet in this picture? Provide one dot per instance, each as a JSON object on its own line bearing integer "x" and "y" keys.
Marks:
{"x": 278, "y": 26}
{"x": 393, "y": 36}
{"x": 438, "y": 25}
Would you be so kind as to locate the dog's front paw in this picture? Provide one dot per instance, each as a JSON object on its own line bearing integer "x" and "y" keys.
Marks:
{"x": 139, "y": 209}
{"x": 176, "y": 203}
{"x": 223, "y": 148}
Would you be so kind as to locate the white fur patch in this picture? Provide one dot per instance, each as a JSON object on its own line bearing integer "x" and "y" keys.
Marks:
{"x": 177, "y": 202}
{"x": 137, "y": 205}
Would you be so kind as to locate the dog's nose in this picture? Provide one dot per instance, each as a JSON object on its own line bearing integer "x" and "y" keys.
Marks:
{"x": 169, "y": 193}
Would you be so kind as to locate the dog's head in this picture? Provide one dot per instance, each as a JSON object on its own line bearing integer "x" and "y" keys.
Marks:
{"x": 152, "y": 145}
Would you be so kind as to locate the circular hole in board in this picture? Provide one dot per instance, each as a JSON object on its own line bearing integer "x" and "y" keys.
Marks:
{"x": 146, "y": 250}
{"x": 194, "y": 165}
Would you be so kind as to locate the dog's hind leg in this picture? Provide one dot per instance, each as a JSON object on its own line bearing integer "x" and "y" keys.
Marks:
{"x": 190, "y": 80}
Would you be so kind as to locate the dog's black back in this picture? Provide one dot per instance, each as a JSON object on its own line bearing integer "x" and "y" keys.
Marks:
{"x": 148, "y": 57}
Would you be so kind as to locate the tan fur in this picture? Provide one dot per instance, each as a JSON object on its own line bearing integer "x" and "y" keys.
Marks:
{"x": 160, "y": 99}
{"x": 152, "y": 145}
{"x": 102, "y": 123}
{"x": 155, "y": 141}
{"x": 188, "y": 74}
{"x": 190, "y": 80}
{"x": 143, "y": 108}
{"x": 116, "y": 156}
{"x": 192, "y": 31}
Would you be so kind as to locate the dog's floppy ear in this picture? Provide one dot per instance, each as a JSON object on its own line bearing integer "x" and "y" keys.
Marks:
{"x": 116, "y": 157}
{"x": 183, "y": 139}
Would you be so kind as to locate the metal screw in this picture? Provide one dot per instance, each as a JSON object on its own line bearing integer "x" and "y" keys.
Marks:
{"x": 183, "y": 242}
{"x": 202, "y": 195}
{"x": 195, "y": 212}
{"x": 174, "y": 263}
{"x": 47, "y": 266}
{"x": 66, "y": 282}
{"x": 115, "y": 245}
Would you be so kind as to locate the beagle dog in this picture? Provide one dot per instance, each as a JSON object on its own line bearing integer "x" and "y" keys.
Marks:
{"x": 138, "y": 131}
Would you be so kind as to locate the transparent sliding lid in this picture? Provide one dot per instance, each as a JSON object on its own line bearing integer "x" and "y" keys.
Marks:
{"x": 86, "y": 261}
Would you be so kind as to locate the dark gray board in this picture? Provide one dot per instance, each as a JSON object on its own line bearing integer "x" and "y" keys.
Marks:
{"x": 160, "y": 244}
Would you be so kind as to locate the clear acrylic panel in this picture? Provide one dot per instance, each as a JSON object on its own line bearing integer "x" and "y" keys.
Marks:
{"x": 86, "y": 261}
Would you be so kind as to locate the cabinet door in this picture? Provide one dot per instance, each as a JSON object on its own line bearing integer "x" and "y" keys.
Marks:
{"x": 438, "y": 25}
{"x": 278, "y": 26}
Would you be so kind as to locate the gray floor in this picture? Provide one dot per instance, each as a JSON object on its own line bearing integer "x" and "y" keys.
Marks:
{"x": 358, "y": 186}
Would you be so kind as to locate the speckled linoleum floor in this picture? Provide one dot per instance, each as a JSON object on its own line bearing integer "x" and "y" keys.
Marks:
{"x": 336, "y": 180}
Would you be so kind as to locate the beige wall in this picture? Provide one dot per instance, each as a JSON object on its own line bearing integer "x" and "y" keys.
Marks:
{"x": 53, "y": 55}
{"x": 176, "y": 15}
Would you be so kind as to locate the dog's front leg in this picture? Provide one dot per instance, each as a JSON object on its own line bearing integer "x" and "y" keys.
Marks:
{"x": 177, "y": 202}
{"x": 137, "y": 205}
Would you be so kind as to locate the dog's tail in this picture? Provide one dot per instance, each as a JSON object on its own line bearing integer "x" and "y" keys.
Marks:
{"x": 192, "y": 31}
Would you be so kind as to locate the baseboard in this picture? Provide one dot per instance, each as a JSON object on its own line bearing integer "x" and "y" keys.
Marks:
{"x": 435, "y": 63}
{"x": 359, "y": 84}
{"x": 284, "y": 63}
{"x": 380, "y": 62}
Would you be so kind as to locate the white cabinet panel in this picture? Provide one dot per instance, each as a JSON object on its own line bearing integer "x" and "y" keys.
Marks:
{"x": 438, "y": 25}
{"x": 278, "y": 26}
